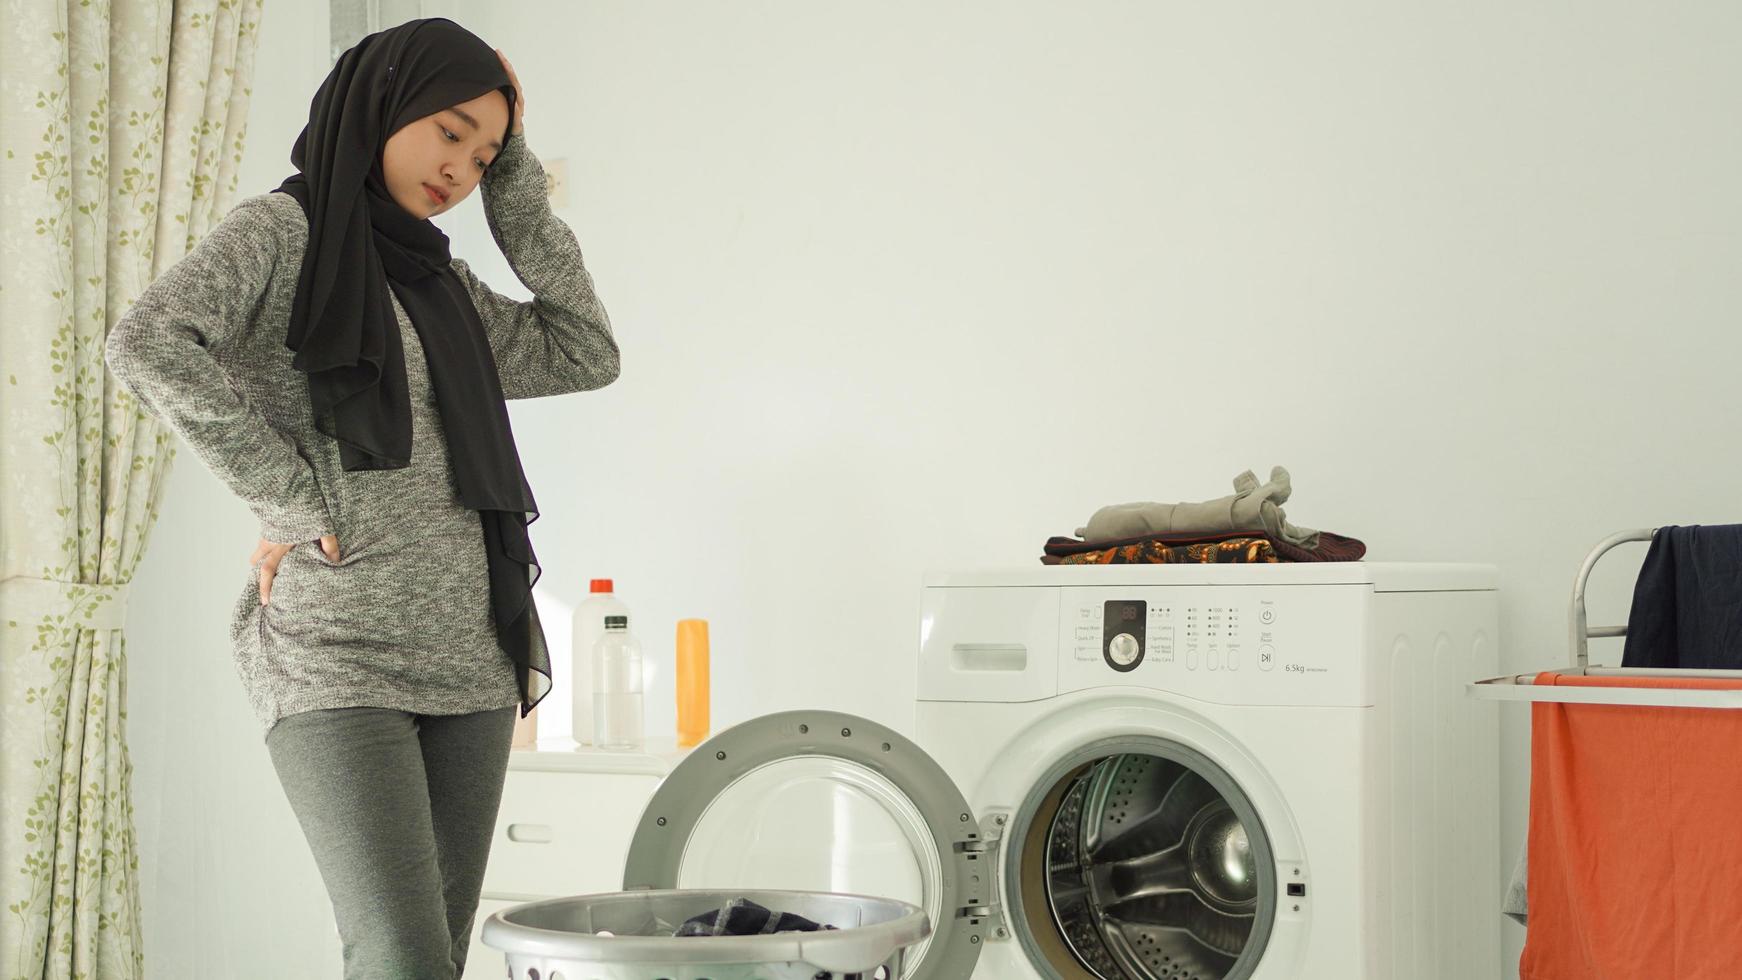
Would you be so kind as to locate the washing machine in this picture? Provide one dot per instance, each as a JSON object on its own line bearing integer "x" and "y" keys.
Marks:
{"x": 1141, "y": 772}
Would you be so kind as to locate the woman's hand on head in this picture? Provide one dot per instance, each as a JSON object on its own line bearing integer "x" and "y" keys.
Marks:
{"x": 267, "y": 555}
{"x": 519, "y": 94}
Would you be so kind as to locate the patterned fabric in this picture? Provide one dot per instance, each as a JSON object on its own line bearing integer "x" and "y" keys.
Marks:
{"x": 125, "y": 124}
{"x": 1231, "y": 551}
{"x": 742, "y": 917}
{"x": 1199, "y": 548}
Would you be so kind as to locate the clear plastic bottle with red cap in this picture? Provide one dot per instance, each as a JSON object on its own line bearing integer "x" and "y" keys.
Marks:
{"x": 588, "y": 629}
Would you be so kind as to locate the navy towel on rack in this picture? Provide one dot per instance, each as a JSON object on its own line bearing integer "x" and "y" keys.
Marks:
{"x": 1687, "y": 604}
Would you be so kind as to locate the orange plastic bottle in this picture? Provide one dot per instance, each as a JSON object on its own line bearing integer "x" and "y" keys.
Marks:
{"x": 692, "y": 682}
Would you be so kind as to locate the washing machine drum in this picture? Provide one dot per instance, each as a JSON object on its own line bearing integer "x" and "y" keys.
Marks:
{"x": 1150, "y": 872}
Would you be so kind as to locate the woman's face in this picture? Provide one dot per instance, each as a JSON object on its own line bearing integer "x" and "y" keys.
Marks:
{"x": 446, "y": 151}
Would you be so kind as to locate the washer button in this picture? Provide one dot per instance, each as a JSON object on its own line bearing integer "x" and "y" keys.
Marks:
{"x": 1266, "y": 657}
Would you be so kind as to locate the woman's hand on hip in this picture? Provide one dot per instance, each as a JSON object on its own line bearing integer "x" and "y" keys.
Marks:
{"x": 267, "y": 555}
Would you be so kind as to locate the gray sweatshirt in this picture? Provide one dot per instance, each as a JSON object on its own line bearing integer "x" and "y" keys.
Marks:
{"x": 403, "y": 618}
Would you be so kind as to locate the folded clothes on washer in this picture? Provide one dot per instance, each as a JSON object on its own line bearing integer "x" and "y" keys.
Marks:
{"x": 742, "y": 917}
{"x": 1151, "y": 551}
{"x": 1252, "y": 505}
{"x": 1180, "y": 548}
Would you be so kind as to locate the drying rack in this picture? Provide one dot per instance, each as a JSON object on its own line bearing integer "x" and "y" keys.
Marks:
{"x": 1523, "y": 687}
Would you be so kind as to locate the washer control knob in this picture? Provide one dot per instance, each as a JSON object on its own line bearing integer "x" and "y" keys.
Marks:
{"x": 1123, "y": 649}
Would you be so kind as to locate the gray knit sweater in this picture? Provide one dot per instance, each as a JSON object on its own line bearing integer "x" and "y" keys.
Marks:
{"x": 403, "y": 618}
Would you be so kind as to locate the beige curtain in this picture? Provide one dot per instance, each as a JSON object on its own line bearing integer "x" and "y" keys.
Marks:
{"x": 121, "y": 129}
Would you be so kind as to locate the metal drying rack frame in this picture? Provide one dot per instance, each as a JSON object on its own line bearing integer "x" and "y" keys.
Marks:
{"x": 1523, "y": 687}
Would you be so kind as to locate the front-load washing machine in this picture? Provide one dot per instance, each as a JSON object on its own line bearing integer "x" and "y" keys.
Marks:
{"x": 1141, "y": 772}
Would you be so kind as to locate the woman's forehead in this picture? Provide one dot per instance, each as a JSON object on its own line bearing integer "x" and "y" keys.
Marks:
{"x": 492, "y": 102}
{"x": 486, "y": 112}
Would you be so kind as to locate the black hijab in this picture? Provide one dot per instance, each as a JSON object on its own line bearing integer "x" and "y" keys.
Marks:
{"x": 343, "y": 328}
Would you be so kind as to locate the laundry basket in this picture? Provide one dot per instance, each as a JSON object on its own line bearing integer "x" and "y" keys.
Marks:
{"x": 560, "y": 938}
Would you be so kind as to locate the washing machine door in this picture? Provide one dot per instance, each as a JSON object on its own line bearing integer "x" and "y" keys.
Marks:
{"x": 823, "y": 801}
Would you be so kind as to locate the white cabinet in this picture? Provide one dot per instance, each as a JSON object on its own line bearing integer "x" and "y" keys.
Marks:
{"x": 567, "y": 815}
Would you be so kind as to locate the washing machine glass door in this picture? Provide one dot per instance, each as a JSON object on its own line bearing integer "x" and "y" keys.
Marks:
{"x": 1140, "y": 858}
{"x": 823, "y": 801}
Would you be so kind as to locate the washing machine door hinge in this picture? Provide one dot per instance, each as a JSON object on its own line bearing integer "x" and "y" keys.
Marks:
{"x": 978, "y": 858}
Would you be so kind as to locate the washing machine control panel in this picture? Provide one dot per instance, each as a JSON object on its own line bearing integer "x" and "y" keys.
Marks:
{"x": 1234, "y": 644}
{"x": 1124, "y": 623}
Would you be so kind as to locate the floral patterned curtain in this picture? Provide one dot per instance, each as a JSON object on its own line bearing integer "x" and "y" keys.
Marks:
{"x": 121, "y": 130}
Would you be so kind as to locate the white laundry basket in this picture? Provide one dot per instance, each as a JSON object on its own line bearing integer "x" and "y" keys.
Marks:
{"x": 559, "y": 938}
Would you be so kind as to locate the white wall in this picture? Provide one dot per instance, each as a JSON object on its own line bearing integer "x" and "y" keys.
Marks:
{"x": 917, "y": 285}
{"x": 228, "y": 888}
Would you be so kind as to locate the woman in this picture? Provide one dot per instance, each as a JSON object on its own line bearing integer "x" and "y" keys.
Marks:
{"x": 326, "y": 357}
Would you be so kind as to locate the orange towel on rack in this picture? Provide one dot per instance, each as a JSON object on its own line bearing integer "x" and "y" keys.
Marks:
{"x": 1635, "y": 838}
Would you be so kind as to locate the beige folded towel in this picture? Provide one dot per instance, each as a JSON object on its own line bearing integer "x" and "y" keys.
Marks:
{"x": 1253, "y": 506}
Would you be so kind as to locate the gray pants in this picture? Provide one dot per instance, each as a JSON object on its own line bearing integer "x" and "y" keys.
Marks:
{"x": 398, "y": 809}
